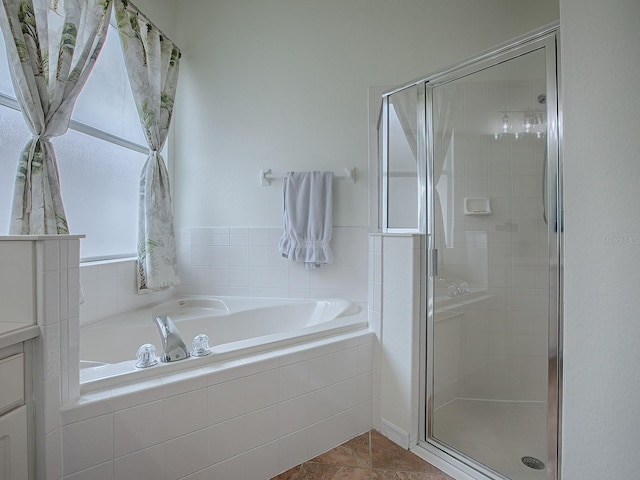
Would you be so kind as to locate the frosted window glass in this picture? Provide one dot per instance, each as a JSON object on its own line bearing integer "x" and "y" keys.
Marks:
{"x": 99, "y": 180}
{"x": 99, "y": 183}
{"x": 6, "y": 86}
{"x": 13, "y": 137}
{"x": 107, "y": 91}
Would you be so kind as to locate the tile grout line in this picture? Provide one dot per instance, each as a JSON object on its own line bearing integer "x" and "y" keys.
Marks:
{"x": 370, "y": 456}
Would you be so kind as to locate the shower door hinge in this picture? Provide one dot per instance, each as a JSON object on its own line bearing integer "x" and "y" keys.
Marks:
{"x": 433, "y": 263}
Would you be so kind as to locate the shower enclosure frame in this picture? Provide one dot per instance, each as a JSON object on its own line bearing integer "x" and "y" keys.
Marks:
{"x": 545, "y": 38}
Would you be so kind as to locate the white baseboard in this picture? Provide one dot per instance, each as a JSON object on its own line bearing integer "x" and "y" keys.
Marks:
{"x": 395, "y": 434}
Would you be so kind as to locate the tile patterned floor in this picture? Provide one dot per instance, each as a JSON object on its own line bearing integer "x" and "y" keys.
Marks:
{"x": 370, "y": 456}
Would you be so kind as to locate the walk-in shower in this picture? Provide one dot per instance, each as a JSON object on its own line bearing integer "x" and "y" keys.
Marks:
{"x": 470, "y": 159}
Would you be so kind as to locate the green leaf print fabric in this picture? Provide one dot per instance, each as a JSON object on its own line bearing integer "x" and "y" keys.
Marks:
{"x": 52, "y": 47}
{"x": 152, "y": 62}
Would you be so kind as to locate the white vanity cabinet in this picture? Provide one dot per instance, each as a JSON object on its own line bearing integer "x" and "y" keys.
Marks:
{"x": 13, "y": 420}
{"x": 39, "y": 299}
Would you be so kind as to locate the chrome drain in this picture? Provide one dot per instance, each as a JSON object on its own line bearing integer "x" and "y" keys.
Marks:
{"x": 533, "y": 462}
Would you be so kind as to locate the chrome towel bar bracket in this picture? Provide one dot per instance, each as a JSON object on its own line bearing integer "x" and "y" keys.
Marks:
{"x": 349, "y": 176}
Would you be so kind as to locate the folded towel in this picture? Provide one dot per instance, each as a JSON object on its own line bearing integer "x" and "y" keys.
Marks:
{"x": 307, "y": 218}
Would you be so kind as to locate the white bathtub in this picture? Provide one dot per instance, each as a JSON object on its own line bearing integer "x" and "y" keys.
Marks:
{"x": 236, "y": 327}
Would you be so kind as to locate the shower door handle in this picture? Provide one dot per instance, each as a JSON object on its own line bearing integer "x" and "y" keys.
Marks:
{"x": 545, "y": 181}
{"x": 433, "y": 263}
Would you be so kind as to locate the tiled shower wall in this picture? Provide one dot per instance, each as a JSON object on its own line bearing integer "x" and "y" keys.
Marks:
{"x": 244, "y": 261}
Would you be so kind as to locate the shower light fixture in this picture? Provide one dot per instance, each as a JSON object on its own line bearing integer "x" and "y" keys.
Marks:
{"x": 528, "y": 123}
{"x": 532, "y": 122}
{"x": 505, "y": 122}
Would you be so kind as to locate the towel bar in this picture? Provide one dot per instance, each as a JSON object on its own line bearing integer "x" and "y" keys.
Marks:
{"x": 266, "y": 176}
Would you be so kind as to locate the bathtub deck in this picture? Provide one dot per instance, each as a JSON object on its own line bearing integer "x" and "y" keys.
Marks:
{"x": 370, "y": 455}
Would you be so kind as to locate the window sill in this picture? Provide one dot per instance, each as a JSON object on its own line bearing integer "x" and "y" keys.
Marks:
{"x": 106, "y": 261}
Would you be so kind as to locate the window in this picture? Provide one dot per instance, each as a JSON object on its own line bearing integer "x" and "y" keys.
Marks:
{"x": 99, "y": 159}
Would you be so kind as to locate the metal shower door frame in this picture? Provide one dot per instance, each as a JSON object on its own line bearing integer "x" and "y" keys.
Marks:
{"x": 546, "y": 38}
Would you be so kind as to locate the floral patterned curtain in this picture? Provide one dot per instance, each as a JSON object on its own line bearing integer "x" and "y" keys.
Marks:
{"x": 52, "y": 47}
{"x": 152, "y": 62}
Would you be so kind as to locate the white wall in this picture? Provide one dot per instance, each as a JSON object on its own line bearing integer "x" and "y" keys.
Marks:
{"x": 283, "y": 85}
{"x": 601, "y": 100}
{"x": 162, "y": 13}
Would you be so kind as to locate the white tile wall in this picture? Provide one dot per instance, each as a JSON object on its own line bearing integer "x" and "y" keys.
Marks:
{"x": 138, "y": 428}
{"x": 52, "y": 457}
{"x": 401, "y": 281}
{"x": 87, "y": 443}
{"x": 145, "y": 464}
{"x": 110, "y": 288}
{"x": 447, "y": 367}
{"x": 251, "y": 418}
{"x": 56, "y": 352}
{"x": 245, "y": 261}
{"x": 375, "y": 319}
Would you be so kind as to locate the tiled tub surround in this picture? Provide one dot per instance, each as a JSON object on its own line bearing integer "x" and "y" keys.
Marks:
{"x": 237, "y": 261}
{"x": 245, "y": 419}
{"x": 109, "y": 288}
{"x": 244, "y": 261}
{"x": 236, "y": 406}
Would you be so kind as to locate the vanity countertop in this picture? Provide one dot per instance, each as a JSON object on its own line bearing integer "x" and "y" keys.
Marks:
{"x": 12, "y": 333}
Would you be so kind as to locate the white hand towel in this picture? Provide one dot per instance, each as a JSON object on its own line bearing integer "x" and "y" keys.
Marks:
{"x": 308, "y": 218}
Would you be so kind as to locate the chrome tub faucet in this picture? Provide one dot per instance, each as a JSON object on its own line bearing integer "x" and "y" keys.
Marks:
{"x": 173, "y": 347}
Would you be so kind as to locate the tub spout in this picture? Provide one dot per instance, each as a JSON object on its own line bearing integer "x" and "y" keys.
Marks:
{"x": 173, "y": 348}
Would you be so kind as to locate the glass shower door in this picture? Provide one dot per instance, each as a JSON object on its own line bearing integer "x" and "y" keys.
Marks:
{"x": 492, "y": 229}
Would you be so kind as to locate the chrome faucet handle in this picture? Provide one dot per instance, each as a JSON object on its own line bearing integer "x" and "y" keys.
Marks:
{"x": 146, "y": 356}
{"x": 201, "y": 346}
